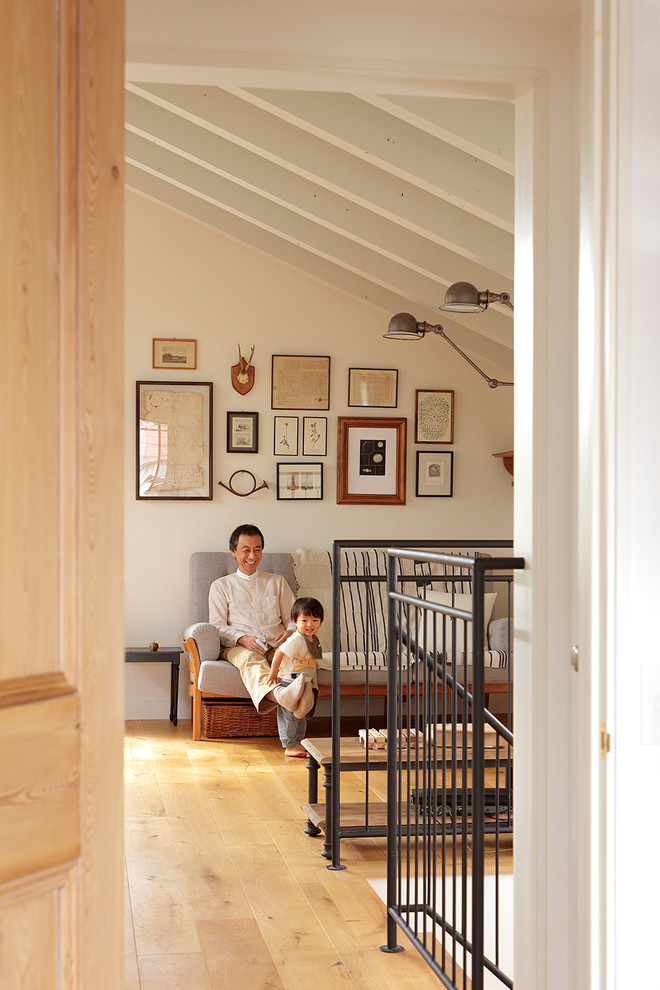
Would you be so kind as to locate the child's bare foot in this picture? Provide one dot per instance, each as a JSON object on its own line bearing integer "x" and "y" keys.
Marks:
{"x": 295, "y": 751}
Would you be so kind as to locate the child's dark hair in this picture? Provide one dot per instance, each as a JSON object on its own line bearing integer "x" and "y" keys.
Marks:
{"x": 307, "y": 606}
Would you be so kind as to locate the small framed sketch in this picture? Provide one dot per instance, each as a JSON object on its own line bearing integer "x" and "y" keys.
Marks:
{"x": 242, "y": 432}
{"x": 435, "y": 474}
{"x": 285, "y": 436}
{"x": 300, "y": 481}
{"x": 180, "y": 355}
{"x": 373, "y": 387}
{"x": 434, "y": 415}
{"x": 315, "y": 436}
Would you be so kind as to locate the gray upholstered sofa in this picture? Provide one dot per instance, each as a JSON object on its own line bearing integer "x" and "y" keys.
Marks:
{"x": 363, "y": 630}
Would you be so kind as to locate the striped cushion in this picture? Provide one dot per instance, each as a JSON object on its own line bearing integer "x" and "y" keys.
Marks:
{"x": 363, "y": 630}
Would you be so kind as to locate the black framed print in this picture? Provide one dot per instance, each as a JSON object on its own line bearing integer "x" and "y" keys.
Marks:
{"x": 435, "y": 474}
{"x": 375, "y": 387}
{"x": 242, "y": 432}
{"x": 297, "y": 482}
{"x": 315, "y": 436}
{"x": 285, "y": 436}
{"x": 434, "y": 415}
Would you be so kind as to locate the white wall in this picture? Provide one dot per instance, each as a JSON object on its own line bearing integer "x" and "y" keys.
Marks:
{"x": 186, "y": 280}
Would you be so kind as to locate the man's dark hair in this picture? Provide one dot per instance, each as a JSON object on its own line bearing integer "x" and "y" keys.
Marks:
{"x": 307, "y": 606}
{"x": 247, "y": 529}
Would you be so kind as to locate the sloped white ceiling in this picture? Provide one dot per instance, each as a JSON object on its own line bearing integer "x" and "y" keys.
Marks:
{"x": 390, "y": 197}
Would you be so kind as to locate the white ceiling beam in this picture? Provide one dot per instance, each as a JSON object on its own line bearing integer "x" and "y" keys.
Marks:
{"x": 483, "y": 128}
{"x": 395, "y": 146}
{"x": 400, "y": 202}
{"x": 238, "y": 165}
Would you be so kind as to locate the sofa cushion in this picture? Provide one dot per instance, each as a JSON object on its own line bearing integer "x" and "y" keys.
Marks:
{"x": 437, "y": 628}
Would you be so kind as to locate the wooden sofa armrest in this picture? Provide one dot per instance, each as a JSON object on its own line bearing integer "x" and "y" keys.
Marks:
{"x": 202, "y": 642}
{"x": 194, "y": 663}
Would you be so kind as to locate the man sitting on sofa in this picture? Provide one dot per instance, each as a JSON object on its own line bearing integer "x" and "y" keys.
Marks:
{"x": 252, "y": 613}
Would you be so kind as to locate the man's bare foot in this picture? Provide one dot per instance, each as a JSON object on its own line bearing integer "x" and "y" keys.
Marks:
{"x": 298, "y": 751}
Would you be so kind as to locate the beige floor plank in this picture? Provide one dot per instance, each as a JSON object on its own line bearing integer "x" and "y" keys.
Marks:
{"x": 213, "y": 887}
{"x": 142, "y": 794}
{"x": 237, "y": 956}
{"x": 270, "y": 796}
{"x": 301, "y": 852}
{"x": 233, "y": 811}
{"x": 370, "y": 968}
{"x": 295, "y": 938}
{"x": 162, "y": 916}
{"x": 174, "y": 971}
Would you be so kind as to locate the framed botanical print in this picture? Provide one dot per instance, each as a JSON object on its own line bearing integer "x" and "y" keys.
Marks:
{"x": 434, "y": 415}
{"x": 315, "y": 439}
{"x": 285, "y": 436}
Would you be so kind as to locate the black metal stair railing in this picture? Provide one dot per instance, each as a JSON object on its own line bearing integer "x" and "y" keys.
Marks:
{"x": 449, "y": 785}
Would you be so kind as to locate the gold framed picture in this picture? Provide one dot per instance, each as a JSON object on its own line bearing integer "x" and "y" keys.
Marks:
{"x": 174, "y": 353}
{"x": 371, "y": 460}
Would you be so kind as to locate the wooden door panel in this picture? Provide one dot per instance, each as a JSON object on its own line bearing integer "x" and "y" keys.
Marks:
{"x": 39, "y": 786}
{"x": 29, "y": 162}
{"x": 61, "y": 458}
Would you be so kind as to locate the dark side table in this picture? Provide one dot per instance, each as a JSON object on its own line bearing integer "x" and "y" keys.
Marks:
{"x": 167, "y": 654}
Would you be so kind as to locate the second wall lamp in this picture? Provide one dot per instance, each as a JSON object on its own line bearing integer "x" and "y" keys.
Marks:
{"x": 461, "y": 297}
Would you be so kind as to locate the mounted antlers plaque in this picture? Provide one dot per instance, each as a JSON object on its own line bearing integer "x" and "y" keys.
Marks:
{"x": 242, "y": 374}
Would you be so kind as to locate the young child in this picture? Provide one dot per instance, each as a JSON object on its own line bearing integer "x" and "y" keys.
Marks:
{"x": 297, "y": 657}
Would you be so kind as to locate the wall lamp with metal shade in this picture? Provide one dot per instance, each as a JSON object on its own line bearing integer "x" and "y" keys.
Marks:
{"x": 461, "y": 297}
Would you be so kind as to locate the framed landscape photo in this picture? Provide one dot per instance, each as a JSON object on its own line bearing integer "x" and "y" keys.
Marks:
{"x": 300, "y": 481}
{"x": 315, "y": 438}
{"x": 371, "y": 460}
{"x": 373, "y": 387}
{"x": 435, "y": 474}
{"x": 242, "y": 432}
{"x": 434, "y": 415}
{"x": 285, "y": 436}
{"x": 174, "y": 440}
{"x": 300, "y": 381}
{"x": 174, "y": 353}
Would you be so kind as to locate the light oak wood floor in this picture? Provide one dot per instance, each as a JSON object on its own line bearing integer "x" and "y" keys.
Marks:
{"x": 223, "y": 887}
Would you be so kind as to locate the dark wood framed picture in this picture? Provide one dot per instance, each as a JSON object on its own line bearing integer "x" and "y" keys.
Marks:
{"x": 375, "y": 387}
{"x": 371, "y": 460}
{"x": 174, "y": 440}
{"x": 174, "y": 354}
{"x": 300, "y": 481}
{"x": 285, "y": 436}
{"x": 434, "y": 415}
{"x": 435, "y": 474}
{"x": 242, "y": 432}
{"x": 315, "y": 436}
{"x": 300, "y": 381}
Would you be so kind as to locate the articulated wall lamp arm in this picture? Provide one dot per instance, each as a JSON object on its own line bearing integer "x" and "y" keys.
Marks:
{"x": 404, "y": 326}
